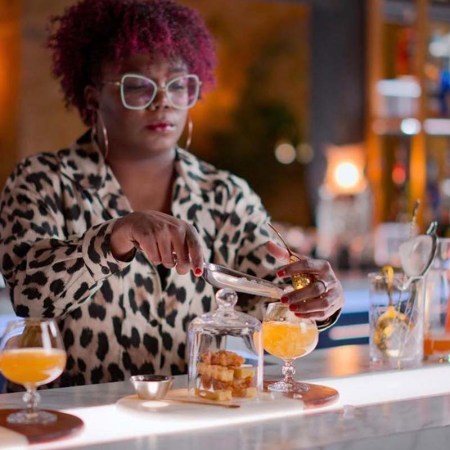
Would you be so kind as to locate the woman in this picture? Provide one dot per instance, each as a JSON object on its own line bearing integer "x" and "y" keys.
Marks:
{"x": 109, "y": 236}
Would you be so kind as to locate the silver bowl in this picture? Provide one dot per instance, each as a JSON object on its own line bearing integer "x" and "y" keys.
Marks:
{"x": 151, "y": 387}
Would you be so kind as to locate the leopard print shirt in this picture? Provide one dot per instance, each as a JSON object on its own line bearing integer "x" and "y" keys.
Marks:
{"x": 117, "y": 318}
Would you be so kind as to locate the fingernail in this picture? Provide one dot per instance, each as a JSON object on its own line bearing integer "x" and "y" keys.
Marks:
{"x": 281, "y": 273}
{"x": 198, "y": 271}
{"x": 293, "y": 308}
{"x": 284, "y": 300}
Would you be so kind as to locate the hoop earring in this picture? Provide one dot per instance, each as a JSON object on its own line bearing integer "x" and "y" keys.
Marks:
{"x": 189, "y": 136}
{"x": 99, "y": 119}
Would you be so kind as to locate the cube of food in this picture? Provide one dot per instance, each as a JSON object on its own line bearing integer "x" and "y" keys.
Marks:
{"x": 248, "y": 392}
{"x": 217, "y": 372}
{"x": 222, "y": 358}
{"x": 222, "y": 376}
{"x": 244, "y": 372}
{"x": 218, "y": 395}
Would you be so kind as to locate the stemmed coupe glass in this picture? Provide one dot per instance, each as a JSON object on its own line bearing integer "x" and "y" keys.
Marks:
{"x": 32, "y": 354}
{"x": 288, "y": 337}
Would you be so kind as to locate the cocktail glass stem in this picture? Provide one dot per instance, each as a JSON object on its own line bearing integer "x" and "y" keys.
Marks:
{"x": 288, "y": 371}
{"x": 288, "y": 384}
{"x": 31, "y": 398}
{"x": 31, "y": 415}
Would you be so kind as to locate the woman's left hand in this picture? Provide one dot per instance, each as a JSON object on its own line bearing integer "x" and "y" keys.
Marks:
{"x": 322, "y": 297}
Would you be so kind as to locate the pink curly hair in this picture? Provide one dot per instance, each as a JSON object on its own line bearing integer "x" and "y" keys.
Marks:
{"x": 94, "y": 31}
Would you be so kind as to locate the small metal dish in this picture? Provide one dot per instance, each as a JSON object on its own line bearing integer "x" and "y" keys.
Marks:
{"x": 151, "y": 387}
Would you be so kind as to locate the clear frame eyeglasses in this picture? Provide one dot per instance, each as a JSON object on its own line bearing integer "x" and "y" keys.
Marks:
{"x": 138, "y": 92}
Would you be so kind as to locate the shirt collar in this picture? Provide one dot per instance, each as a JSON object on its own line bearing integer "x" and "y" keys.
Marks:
{"x": 84, "y": 163}
{"x": 190, "y": 176}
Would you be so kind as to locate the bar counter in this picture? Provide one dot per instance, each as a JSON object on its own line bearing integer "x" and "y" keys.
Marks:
{"x": 401, "y": 409}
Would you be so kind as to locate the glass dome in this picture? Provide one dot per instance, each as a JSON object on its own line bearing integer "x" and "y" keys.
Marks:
{"x": 225, "y": 352}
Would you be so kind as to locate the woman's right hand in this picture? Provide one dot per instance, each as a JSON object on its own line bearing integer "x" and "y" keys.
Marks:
{"x": 163, "y": 238}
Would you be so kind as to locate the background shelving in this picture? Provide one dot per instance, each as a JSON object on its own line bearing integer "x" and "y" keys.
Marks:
{"x": 408, "y": 128}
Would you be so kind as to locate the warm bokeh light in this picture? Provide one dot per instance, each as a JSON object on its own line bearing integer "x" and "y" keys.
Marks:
{"x": 347, "y": 175}
{"x": 399, "y": 174}
{"x": 345, "y": 169}
{"x": 410, "y": 126}
{"x": 285, "y": 153}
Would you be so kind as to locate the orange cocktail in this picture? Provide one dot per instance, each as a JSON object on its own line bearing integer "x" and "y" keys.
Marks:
{"x": 288, "y": 337}
{"x": 32, "y": 366}
{"x": 289, "y": 341}
{"x": 436, "y": 345}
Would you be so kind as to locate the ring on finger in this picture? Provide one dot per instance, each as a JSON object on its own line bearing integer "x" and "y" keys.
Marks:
{"x": 174, "y": 258}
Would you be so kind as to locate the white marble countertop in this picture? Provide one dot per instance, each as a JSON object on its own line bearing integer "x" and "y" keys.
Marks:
{"x": 411, "y": 410}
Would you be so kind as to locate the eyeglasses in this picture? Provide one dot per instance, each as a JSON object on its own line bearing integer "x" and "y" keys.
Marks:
{"x": 138, "y": 92}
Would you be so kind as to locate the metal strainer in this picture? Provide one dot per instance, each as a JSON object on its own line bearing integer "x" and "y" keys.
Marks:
{"x": 417, "y": 254}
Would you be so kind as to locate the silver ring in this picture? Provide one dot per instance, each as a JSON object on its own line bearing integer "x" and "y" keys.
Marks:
{"x": 324, "y": 286}
{"x": 174, "y": 258}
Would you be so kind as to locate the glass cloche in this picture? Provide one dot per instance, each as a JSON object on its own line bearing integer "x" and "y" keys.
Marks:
{"x": 225, "y": 352}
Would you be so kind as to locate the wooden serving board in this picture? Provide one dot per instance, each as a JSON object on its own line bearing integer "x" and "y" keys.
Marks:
{"x": 315, "y": 397}
{"x": 65, "y": 425}
{"x": 183, "y": 412}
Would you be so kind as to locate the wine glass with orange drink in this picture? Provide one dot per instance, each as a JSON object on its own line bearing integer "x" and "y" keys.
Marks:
{"x": 288, "y": 337}
{"x": 32, "y": 354}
